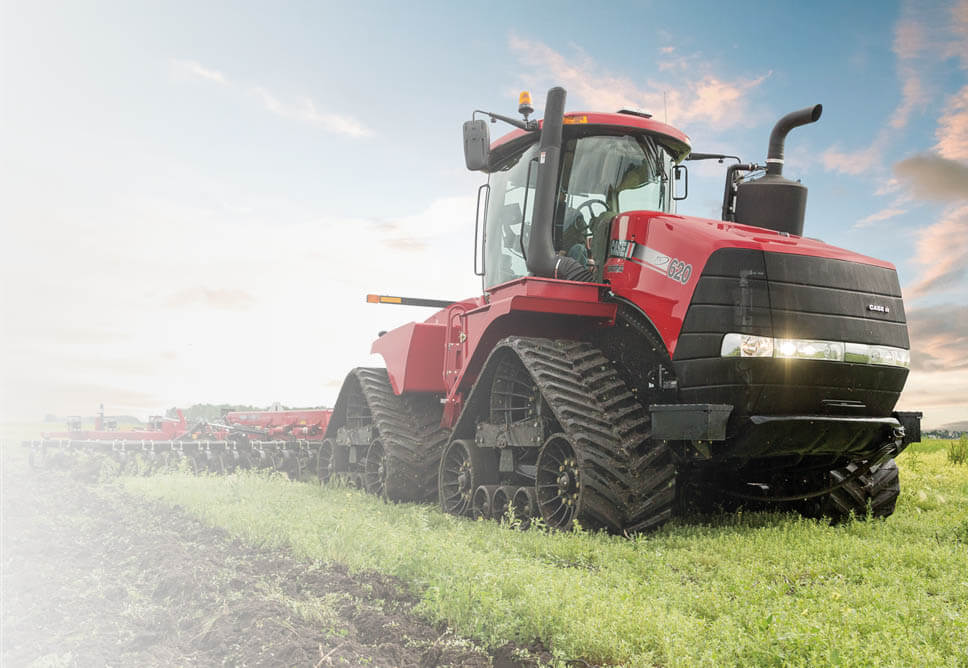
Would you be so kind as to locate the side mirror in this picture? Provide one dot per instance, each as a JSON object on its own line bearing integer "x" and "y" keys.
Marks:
{"x": 680, "y": 183}
{"x": 477, "y": 145}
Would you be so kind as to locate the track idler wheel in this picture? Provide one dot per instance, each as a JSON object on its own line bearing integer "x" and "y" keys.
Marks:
{"x": 463, "y": 468}
{"x": 559, "y": 483}
{"x": 324, "y": 461}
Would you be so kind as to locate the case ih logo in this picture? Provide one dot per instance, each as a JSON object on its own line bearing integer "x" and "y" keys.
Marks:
{"x": 878, "y": 308}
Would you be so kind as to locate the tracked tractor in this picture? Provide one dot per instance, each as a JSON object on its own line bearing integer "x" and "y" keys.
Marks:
{"x": 623, "y": 362}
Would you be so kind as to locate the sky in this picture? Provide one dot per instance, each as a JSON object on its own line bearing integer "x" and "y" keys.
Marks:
{"x": 195, "y": 198}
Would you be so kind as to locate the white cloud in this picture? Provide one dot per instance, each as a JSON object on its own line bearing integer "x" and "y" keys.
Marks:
{"x": 924, "y": 37}
{"x": 909, "y": 42}
{"x": 940, "y": 395}
{"x": 942, "y": 251}
{"x": 883, "y": 214}
{"x": 696, "y": 95}
{"x": 858, "y": 161}
{"x": 952, "y": 132}
{"x": 305, "y": 110}
{"x": 193, "y": 69}
{"x": 218, "y": 308}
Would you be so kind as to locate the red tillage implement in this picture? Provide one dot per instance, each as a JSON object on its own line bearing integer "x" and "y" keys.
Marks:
{"x": 285, "y": 440}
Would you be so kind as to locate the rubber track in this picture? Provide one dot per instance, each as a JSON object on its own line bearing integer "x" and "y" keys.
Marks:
{"x": 411, "y": 434}
{"x": 629, "y": 480}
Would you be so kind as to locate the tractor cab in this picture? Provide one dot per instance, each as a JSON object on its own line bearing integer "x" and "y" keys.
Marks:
{"x": 609, "y": 164}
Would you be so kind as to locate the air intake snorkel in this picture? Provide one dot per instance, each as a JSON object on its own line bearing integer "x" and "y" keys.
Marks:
{"x": 542, "y": 259}
{"x": 774, "y": 202}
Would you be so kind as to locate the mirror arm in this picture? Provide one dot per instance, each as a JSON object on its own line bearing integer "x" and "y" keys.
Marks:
{"x": 529, "y": 126}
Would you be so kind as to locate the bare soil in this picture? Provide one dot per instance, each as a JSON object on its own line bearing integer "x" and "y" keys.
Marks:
{"x": 94, "y": 577}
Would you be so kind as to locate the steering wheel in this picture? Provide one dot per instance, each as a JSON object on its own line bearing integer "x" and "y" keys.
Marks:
{"x": 589, "y": 203}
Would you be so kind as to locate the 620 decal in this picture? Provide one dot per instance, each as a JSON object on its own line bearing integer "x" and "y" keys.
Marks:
{"x": 679, "y": 271}
{"x": 657, "y": 261}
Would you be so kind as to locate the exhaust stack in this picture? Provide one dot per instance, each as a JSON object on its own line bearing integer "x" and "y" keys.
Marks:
{"x": 772, "y": 201}
{"x": 774, "y": 156}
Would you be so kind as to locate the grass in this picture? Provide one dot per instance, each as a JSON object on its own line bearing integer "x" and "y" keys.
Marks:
{"x": 958, "y": 450}
{"x": 754, "y": 588}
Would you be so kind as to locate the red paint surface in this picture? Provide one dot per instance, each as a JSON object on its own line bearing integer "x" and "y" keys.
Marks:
{"x": 308, "y": 424}
{"x": 693, "y": 240}
{"x": 168, "y": 430}
{"x": 615, "y": 120}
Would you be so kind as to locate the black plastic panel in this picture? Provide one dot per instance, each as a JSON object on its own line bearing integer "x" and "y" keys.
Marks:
{"x": 705, "y": 318}
{"x": 822, "y": 272}
{"x": 791, "y": 296}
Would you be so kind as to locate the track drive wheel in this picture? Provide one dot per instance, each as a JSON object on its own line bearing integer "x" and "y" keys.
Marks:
{"x": 463, "y": 468}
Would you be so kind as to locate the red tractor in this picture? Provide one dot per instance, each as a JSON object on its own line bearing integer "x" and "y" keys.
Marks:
{"x": 624, "y": 362}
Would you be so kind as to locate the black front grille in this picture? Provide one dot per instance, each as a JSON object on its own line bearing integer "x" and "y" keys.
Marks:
{"x": 791, "y": 296}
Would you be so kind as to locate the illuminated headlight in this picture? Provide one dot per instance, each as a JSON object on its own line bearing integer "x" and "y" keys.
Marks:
{"x": 748, "y": 345}
{"x": 809, "y": 349}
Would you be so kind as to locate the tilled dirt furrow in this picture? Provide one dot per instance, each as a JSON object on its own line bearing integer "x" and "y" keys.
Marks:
{"x": 93, "y": 577}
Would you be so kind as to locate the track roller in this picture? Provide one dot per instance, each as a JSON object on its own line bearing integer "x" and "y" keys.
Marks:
{"x": 525, "y": 505}
{"x": 501, "y": 501}
{"x": 482, "y": 504}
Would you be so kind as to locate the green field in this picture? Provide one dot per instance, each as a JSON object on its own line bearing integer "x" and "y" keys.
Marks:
{"x": 743, "y": 589}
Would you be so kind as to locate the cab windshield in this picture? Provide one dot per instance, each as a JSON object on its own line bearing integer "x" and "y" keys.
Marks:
{"x": 616, "y": 172}
{"x": 602, "y": 175}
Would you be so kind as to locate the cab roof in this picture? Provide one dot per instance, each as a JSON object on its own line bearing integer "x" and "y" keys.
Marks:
{"x": 675, "y": 140}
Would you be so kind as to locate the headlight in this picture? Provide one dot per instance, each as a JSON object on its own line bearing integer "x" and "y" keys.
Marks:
{"x": 861, "y": 353}
{"x": 810, "y": 350}
{"x": 748, "y": 345}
